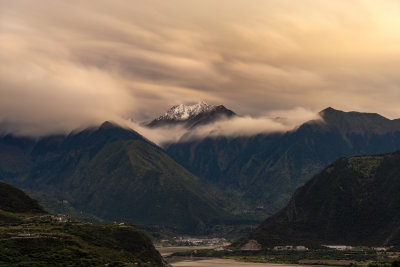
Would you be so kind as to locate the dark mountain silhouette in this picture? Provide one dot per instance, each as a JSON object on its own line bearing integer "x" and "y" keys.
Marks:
{"x": 353, "y": 201}
{"x": 114, "y": 174}
{"x": 264, "y": 170}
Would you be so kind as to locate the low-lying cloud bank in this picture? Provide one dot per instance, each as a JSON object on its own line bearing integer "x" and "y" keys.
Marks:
{"x": 276, "y": 121}
{"x": 271, "y": 122}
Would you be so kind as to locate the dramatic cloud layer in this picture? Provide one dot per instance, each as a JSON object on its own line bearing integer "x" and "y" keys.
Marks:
{"x": 273, "y": 122}
{"x": 66, "y": 64}
{"x": 277, "y": 121}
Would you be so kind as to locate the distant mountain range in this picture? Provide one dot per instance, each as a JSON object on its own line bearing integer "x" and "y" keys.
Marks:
{"x": 354, "y": 201}
{"x": 190, "y": 116}
{"x": 109, "y": 173}
{"x": 114, "y": 174}
{"x": 264, "y": 170}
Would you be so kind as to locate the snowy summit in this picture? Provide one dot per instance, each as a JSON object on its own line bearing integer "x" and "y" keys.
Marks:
{"x": 193, "y": 115}
{"x": 184, "y": 112}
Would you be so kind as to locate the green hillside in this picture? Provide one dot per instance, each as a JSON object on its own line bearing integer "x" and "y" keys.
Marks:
{"x": 13, "y": 202}
{"x": 354, "y": 201}
{"x": 115, "y": 174}
{"x": 29, "y": 236}
{"x": 46, "y": 242}
{"x": 16, "y": 201}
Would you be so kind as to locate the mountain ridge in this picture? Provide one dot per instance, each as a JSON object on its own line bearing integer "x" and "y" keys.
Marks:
{"x": 116, "y": 174}
{"x": 13, "y": 200}
{"x": 353, "y": 201}
{"x": 359, "y": 122}
{"x": 266, "y": 169}
{"x": 260, "y": 172}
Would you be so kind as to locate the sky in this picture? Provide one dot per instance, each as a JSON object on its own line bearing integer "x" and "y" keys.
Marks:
{"x": 68, "y": 63}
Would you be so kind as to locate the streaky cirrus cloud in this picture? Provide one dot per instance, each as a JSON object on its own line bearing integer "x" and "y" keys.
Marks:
{"x": 69, "y": 63}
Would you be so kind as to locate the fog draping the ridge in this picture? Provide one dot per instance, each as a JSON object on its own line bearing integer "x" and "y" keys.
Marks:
{"x": 273, "y": 122}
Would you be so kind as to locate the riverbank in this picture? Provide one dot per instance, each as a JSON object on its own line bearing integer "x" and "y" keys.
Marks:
{"x": 310, "y": 257}
{"x": 225, "y": 263}
{"x": 168, "y": 251}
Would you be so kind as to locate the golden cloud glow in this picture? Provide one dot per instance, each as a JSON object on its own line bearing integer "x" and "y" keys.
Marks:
{"x": 73, "y": 63}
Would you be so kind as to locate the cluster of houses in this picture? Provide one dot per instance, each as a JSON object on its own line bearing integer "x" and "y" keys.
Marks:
{"x": 191, "y": 241}
{"x": 335, "y": 247}
{"x": 61, "y": 218}
{"x": 254, "y": 245}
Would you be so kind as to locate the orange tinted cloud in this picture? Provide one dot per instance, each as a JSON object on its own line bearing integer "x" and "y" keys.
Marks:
{"x": 67, "y": 64}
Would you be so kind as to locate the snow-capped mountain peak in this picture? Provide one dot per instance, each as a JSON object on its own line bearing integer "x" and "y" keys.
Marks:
{"x": 190, "y": 116}
{"x": 183, "y": 112}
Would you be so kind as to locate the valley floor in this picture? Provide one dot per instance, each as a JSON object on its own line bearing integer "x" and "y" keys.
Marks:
{"x": 211, "y": 257}
{"x": 224, "y": 263}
